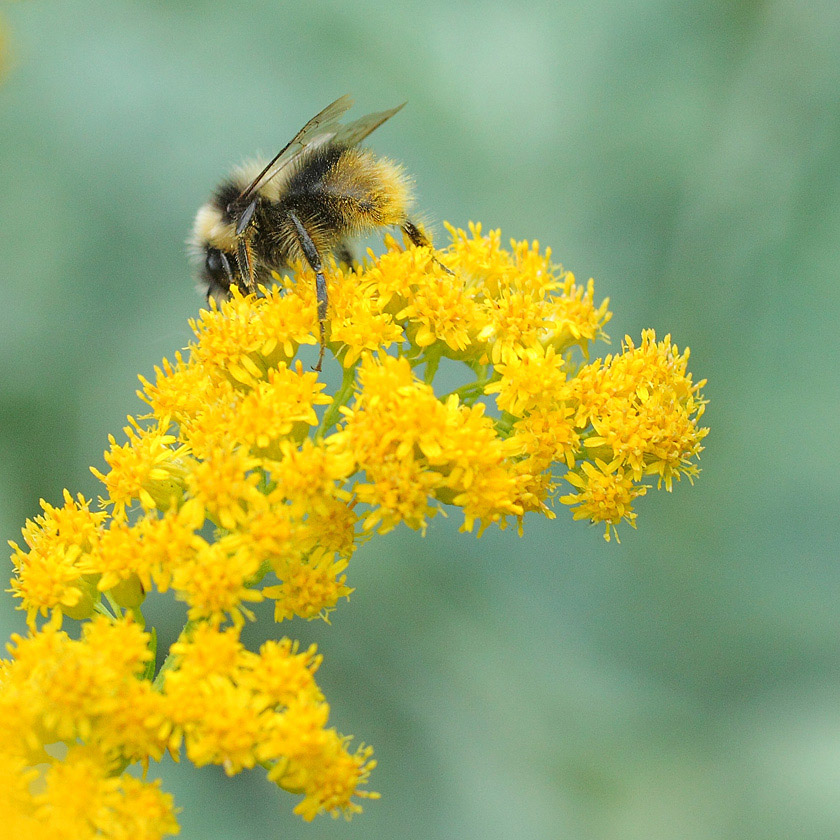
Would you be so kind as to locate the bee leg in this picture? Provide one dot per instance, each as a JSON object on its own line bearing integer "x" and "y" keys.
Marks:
{"x": 246, "y": 266}
{"x": 314, "y": 260}
{"x": 420, "y": 240}
{"x": 417, "y": 237}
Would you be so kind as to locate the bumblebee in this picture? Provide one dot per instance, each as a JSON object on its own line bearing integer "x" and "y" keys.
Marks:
{"x": 319, "y": 191}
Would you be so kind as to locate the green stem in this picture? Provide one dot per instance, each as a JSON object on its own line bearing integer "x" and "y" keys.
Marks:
{"x": 332, "y": 414}
{"x": 115, "y": 607}
{"x": 171, "y": 659}
{"x": 102, "y": 609}
{"x": 150, "y": 665}
{"x": 432, "y": 362}
{"x": 505, "y": 422}
{"x": 468, "y": 393}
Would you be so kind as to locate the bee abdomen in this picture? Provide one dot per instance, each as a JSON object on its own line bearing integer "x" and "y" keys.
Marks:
{"x": 348, "y": 191}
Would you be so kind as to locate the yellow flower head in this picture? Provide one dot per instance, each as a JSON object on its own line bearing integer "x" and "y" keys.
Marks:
{"x": 148, "y": 468}
{"x": 48, "y": 577}
{"x": 249, "y": 479}
{"x": 605, "y": 494}
{"x": 644, "y": 409}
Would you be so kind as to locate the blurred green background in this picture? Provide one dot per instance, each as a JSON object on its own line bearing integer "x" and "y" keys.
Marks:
{"x": 684, "y": 684}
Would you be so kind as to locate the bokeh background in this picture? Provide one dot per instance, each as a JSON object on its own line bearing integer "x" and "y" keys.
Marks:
{"x": 685, "y": 154}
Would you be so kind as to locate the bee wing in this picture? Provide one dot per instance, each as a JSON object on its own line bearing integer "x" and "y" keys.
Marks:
{"x": 356, "y": 131}
{"x": 321, "y": 128}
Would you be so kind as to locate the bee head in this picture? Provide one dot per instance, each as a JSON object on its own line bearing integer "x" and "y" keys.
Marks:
{"x": 213, "y": 249}
{"x": 218, "y": 272}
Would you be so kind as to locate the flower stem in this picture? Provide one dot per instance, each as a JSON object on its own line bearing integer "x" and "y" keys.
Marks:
{"x": 332, "y": 414}
{"x": 170, "y": 660}
{"x": 432, "y": 358}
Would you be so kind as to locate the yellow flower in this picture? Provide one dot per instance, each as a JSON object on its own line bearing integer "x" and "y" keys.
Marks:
{"x": 359, "y": 315}
{"x": 225, "y": 483}
{"x": 644, "y": 409}
{"x": 73, "y": 687}
{"x": 247, "y": 480}
{"x": 180, "y": 390}
{"x": 16, "y": 803}
{"x": 236, "y": 708}
{"x": 87, "y": 702}
{"x": 535, "y": 379}
{"x": 334, "y": 778}
{"x": 384, "y": 433}
{"x": 544, "y": 437}
{"x": 117, "y": 556}
{"x": 248, "y": 335}
{"x": 81, "y": 798}
{"x": 259, "y": 413}
{"x": 215, "y": 582}
{"x": 230, "y": 726}
{"x": 392, "y": 276}
{"x": 440, "y": 310}
{"x": 207, "y": 650}
{"x": 48, "y": 577}
{"x": 527, "y": 302}
{"x": 309, "y": 588}
{"x": 282, "y": 405}
{"x": 147, "y": 468}
{"x": 475, "y": 473}
{"x": 575, "y": 320}
{"x": 167, "y": 542}
{"x": 480, "y": 258}
{"x": 605, "y": 494}
{"x": 317, "y": 762}
{"x": 49, "y": 582}
{"x": 73, "y": 524}
{"x": 142, "y": 812}
{"x": 280, "y": 675}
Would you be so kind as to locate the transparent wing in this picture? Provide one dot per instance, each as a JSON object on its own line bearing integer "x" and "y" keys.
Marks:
{"x": 322, "y": 128}
{"x": 356, "y": 131}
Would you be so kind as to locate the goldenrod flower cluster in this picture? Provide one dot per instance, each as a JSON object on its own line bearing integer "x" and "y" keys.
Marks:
{"x": 246, "y": 481}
